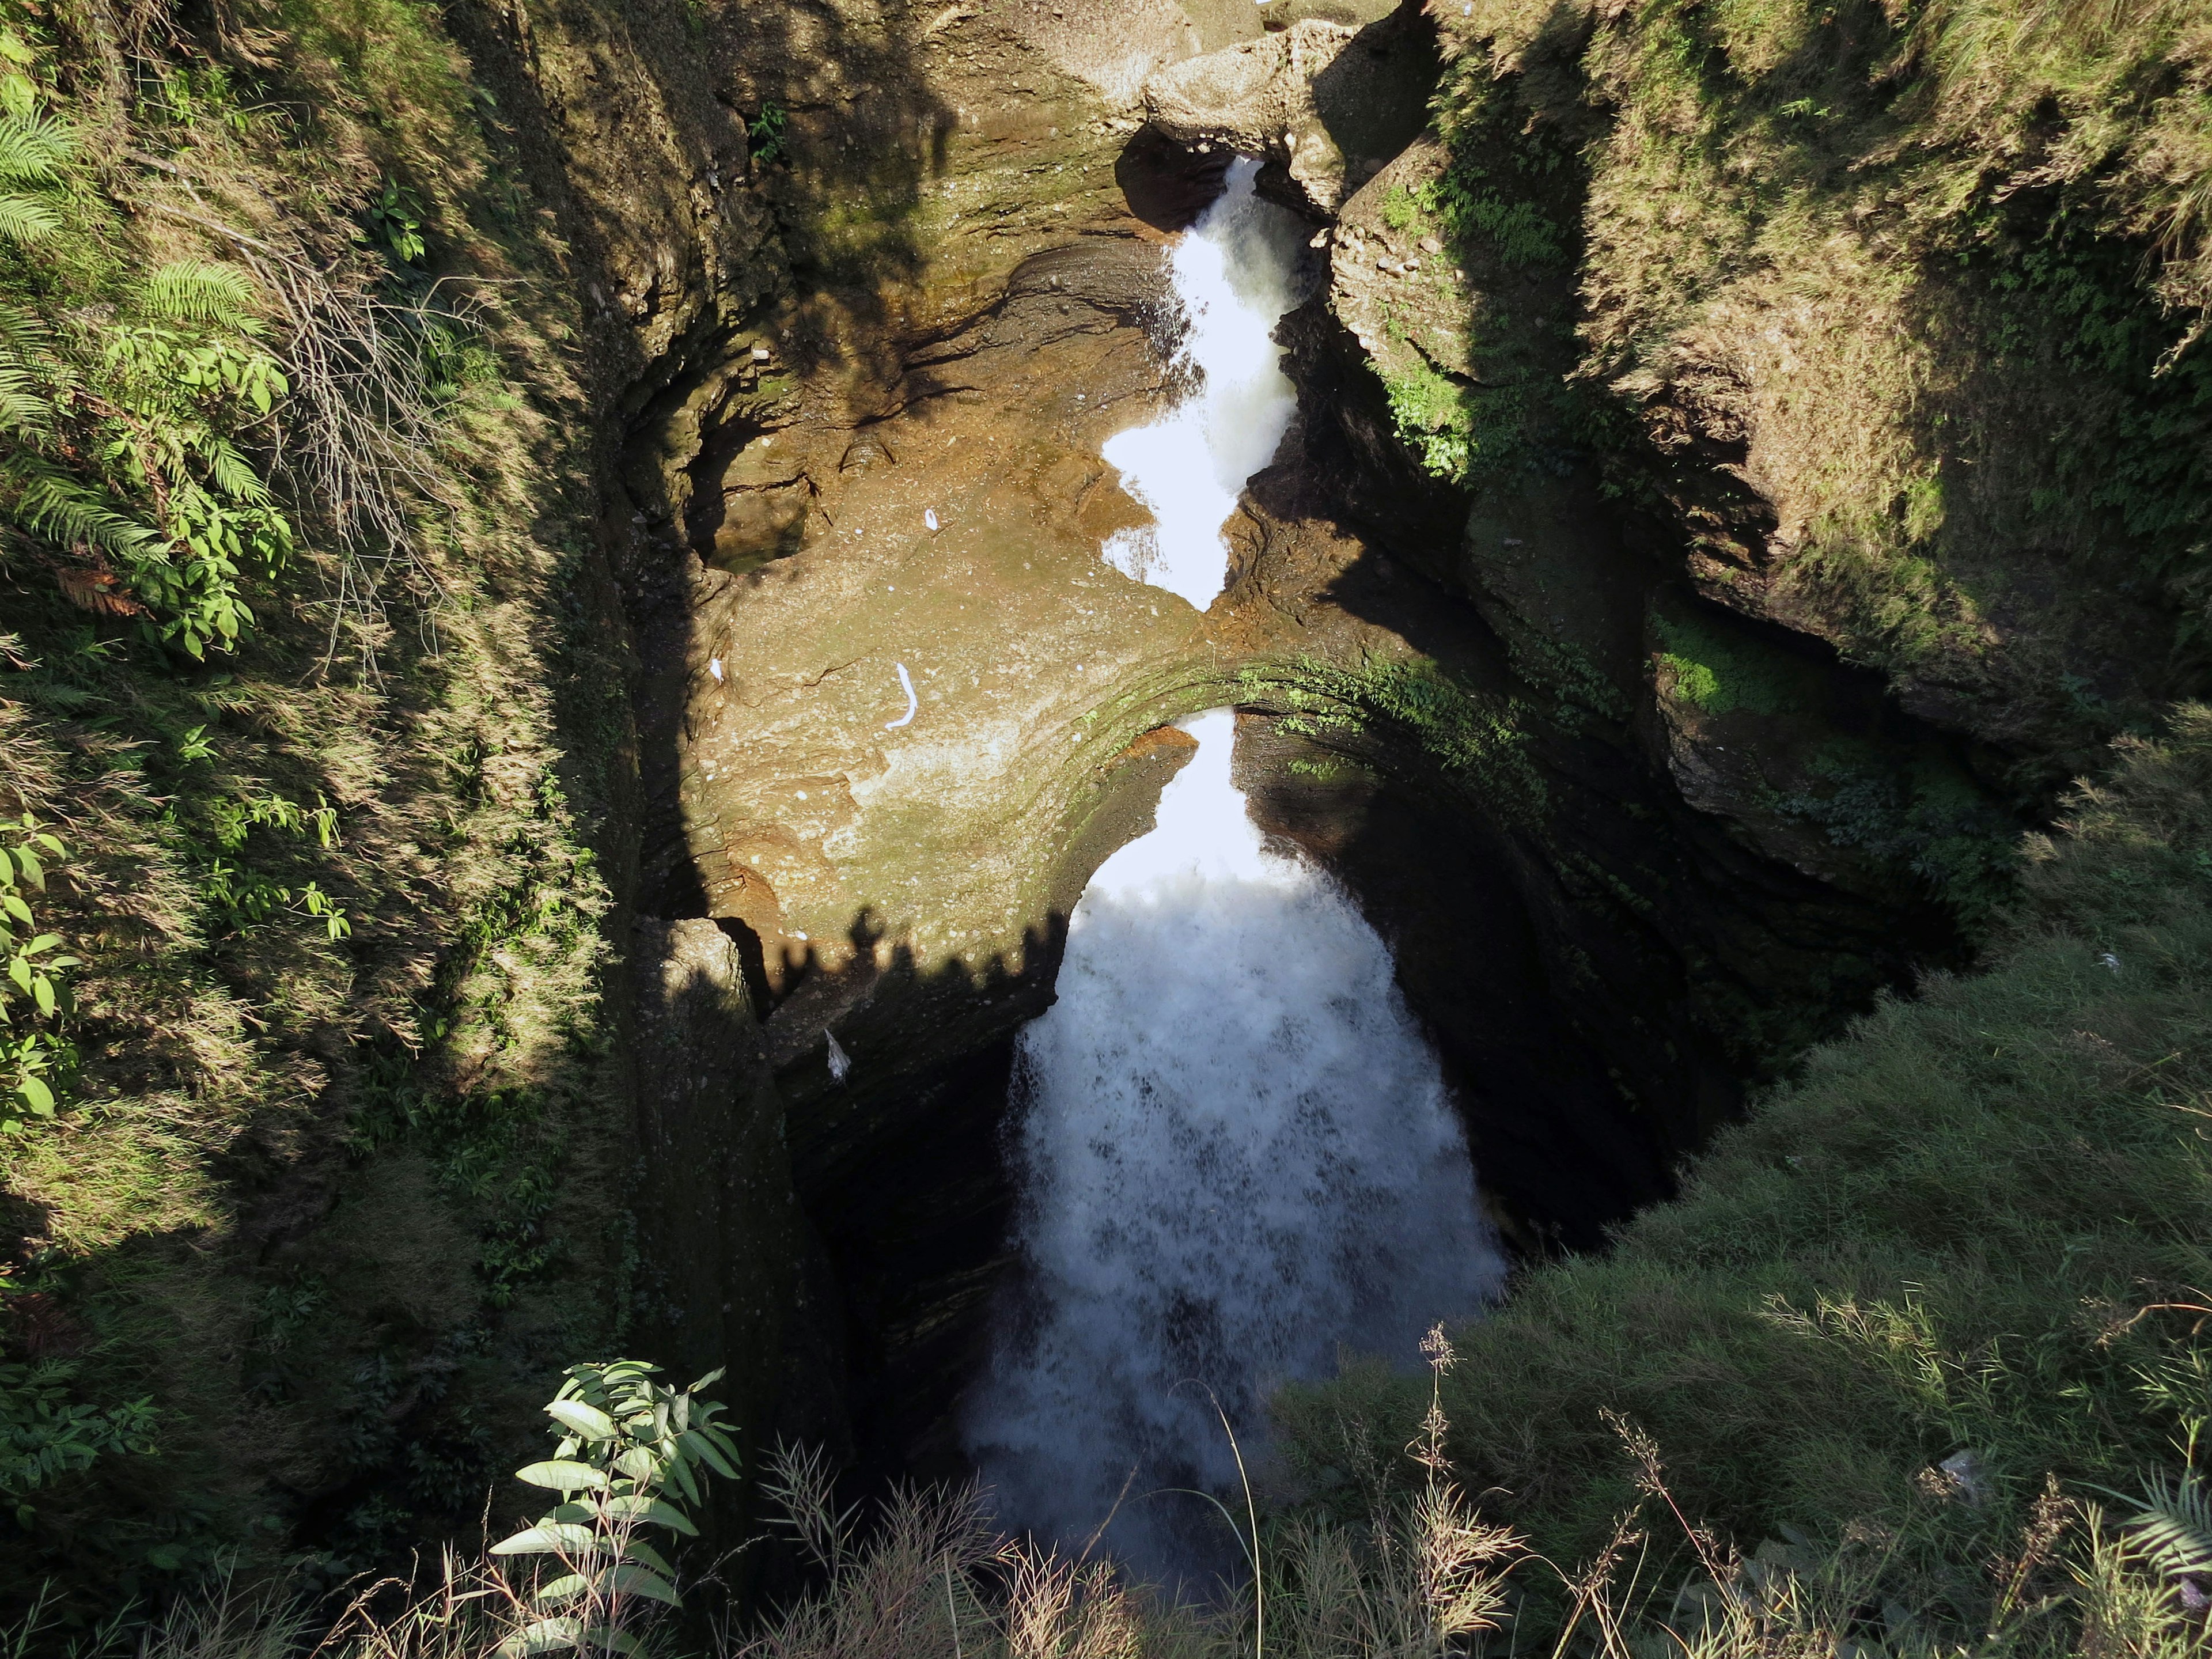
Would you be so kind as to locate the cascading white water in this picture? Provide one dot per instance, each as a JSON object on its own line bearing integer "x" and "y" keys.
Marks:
{"x": 1233, "y": 275}
{"x": 1235, "y": 1154}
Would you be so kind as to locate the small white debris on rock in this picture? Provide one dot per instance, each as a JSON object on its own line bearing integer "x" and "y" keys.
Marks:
{"x": 913, "y": 703}
{"x": 2109, "y": 960}
{"x": 715, "y": 667}
{"x": 840, "y": 1063}
{"x": 760, "y": 354}
{"x": 929, "y": 516}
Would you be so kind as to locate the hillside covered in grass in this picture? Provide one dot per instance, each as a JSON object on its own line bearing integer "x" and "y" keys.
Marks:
{"x": 1944, "y": 1290}
{"x": 302, "y": 1166}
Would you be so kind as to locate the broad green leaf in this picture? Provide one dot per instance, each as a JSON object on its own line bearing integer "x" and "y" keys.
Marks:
{"x": 29, "y": 863}
{"x": 42, "y": 993}
{"x": 39, "y": 1097}
{"x": 545, "y": 1636}
{"x": 638, "y": 1463}
{"x": 562, "y": 1476}
{"x": 636, "y": 1581}
{"x": 653, "y": 1513}
{"x": 644, "y": 1554}
{"x": 587, "y": 1421}
{"x": 563, "y": 1590}
{"x": 15, "y": 907}
{"x": 7, "y": 870}
{"x": 680, "y": 1473}
{"x": 704, "y": 1449}
{"x": 546, "y": 1538}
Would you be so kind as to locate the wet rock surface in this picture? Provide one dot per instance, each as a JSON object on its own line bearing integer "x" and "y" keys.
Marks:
{"x": 1326, "y": 100}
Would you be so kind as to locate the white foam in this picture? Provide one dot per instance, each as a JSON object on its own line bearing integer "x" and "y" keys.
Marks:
{"x": 1235, "y": 1154}
{"x": 1233, "y": 276}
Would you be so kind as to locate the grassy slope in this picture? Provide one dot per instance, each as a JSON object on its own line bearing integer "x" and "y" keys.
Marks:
{"x": 340, "y": 1208}
{"x": 1980, "y": 1222}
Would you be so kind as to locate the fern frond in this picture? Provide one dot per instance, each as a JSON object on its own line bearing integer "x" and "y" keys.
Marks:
{"x": 25, "y": 336}
{"x": 2175, "y": 1527}
{"x": 33, "y": 149}
{"x": 233, "y": 473}
{"x": 193, "y": 291}
{"x": 25, "y": 410}
{"x": 64, "y": 508}
{"x": 25, "y": 218}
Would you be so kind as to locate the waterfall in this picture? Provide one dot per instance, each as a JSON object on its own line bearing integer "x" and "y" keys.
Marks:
{"x": 1235, "y": 1153}
{"x": 1232, "y": 273}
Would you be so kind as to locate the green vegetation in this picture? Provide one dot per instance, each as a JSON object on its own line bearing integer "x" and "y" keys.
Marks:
{"x": 631, "y": 1454}
{"x": 1924, "y": 816}
{"x": 1942, "y": 269}
{"x": 303, "y": 1167}
{"x": 765, "y": 133}
{"x": 1421, "y": 1573}
{"x": 1937, "y": 1300}
{"x": 1717, "y": 670}
{"x": 1474, "y": 741}
{"x": 1456, "y": 430}
{"x": 35, "y": 1054}
{"x": 46, "y": 1433}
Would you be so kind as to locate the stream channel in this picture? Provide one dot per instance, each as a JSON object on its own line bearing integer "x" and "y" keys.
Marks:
{"x": 1235, "y": 1151}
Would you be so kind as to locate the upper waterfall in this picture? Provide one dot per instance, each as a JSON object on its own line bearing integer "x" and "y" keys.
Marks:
{"x": 1233, "y": 275}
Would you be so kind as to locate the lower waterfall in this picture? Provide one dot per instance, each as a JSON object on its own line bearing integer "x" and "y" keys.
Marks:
{"x": 1236, "y": 1155}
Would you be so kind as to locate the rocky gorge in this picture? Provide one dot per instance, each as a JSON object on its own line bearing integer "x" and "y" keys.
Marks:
{"x": 1596, "y": 908}
{"x": 1738, "y": 470}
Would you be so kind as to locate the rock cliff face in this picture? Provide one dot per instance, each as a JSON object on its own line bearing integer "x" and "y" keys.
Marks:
{"x": 876, "y": 283}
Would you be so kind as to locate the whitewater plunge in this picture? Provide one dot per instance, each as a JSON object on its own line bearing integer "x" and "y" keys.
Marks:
{"x": 1233, "y": 276}
{"x": 1236, "y": 1155}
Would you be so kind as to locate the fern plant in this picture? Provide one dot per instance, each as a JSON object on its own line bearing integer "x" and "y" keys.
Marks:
{"x": 35, "y": 152}
{"x": 2173, "y": 1528}
{"x": 632, "y": 1456}
{"x": 126, "y": 461}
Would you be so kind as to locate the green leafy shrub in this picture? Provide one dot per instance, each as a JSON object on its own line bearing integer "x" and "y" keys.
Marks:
{"x": 396, "y": 216}
{"x": 34, "y": 1000}
{"x": 46, "y": 1433}
{"x": 765, "y": 133}
{"x": 631, "y": 1455}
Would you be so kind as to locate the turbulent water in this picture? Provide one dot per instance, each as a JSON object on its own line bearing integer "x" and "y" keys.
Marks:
{"x": 1233, "y": 276}
{"x": 1235, "y": 1154}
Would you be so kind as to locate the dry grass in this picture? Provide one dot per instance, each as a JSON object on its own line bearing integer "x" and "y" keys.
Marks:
{"x": 928, "y": 1578}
